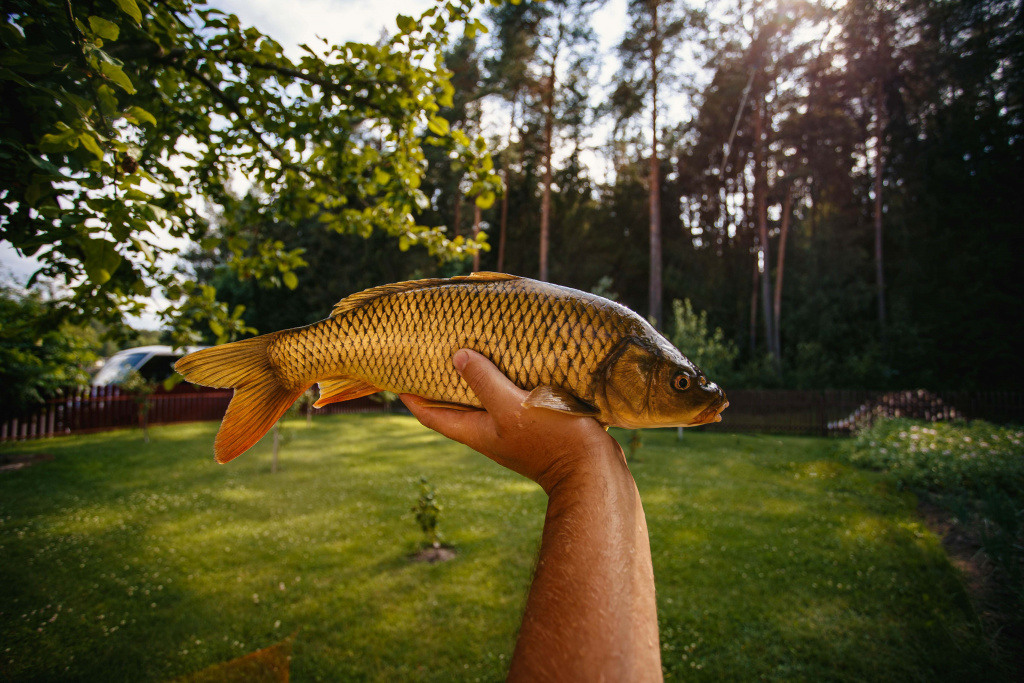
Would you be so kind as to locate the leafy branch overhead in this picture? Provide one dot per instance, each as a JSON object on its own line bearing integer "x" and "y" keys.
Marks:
{"x": 119, "y": 119}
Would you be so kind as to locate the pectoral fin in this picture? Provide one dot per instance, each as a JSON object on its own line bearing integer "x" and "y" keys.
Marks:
{"x": 344, "y": 389}
{"x": 553, "y": 398}
{"x": 448, "y": 406}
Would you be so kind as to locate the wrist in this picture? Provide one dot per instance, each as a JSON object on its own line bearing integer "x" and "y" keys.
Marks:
{"x": 587, "y": 470}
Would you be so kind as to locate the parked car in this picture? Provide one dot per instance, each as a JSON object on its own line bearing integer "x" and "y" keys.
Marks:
{"x": 154, "y": 363}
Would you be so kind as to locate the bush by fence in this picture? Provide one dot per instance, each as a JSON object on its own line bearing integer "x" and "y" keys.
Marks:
{"x": 816, "y": 413}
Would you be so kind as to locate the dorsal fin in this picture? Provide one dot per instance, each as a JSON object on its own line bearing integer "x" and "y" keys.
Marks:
{"x": 362, "y": 298}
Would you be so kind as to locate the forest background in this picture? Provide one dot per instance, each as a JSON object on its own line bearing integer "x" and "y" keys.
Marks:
{"x": 835, "y": 207}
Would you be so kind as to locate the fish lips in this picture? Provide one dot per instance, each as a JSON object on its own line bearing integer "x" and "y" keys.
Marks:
{"x": 711, "y": 414}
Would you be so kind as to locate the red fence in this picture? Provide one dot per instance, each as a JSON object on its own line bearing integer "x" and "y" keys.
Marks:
{"x": 98, "y": 409}
{"x": 793, "y": 412}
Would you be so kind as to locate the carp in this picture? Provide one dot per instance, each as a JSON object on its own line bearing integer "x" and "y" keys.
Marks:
{"x": 575, "y": 352}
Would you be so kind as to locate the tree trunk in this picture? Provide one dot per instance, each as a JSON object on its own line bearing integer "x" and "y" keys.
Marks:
{"x": 654, "y": 292}
{"x": 476, "y": 233}
{"x": 780, "y": 268}
{"x": 879, "y": 172}
{"x": 742, "y": 224}
{"x": 545, "y": 203}
{"x": 753, "y": 303}
{"x": 504, "y": 197}
{"x": 761, "y": 201}
{"x": 458, "y": 210}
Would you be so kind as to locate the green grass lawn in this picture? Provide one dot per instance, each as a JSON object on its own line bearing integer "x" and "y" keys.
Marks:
{"x": 130, "y": 562}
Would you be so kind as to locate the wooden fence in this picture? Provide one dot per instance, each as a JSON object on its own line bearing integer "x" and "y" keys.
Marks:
{"x": 837, "y": 413}
{"x": 98, "y": 409}
{"x": 819, "y": 413}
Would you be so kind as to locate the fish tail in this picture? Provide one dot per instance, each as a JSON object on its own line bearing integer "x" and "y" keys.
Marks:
{"x": 260, "y": 399}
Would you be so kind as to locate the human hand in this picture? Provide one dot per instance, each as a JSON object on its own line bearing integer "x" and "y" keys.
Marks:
{"x": 543, "y": 445}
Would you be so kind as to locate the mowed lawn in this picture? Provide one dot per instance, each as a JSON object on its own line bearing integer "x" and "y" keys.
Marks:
{"x": 130, "y": 562}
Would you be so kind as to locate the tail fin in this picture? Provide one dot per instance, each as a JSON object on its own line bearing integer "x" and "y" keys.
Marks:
{"x": 259, "y": 399}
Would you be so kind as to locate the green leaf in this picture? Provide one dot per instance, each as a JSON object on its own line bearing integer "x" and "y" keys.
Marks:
{"x": 485, "y": 200}
{"x": 130, "y": 8}
{"x": 108, "y": 100}
{"x": 107, "y": 30}
{"x": 290, "y": 280}
{"x": 117, "y": 75}
{"x": 59, "y": 142}
{"x": 89, "y": 142}
{"x": 45, "y": 165}
{"x": 380, "y": 176}
{"x": 141, "y": 114}
{"x": 216, "y": 328}
{"x": 101, "y": 260}
{"x": 405, "y": 24}
{"x": 438, "y": 125}
{"x": 35, "y": 191}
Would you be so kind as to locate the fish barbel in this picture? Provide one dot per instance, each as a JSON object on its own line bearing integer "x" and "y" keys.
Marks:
{"x": 575, "y": 352}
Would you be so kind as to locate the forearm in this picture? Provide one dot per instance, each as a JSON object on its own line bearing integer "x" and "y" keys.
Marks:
{"x": 591, "y": 612}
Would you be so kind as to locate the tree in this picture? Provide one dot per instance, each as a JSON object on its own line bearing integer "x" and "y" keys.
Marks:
{"x": 648, "y": 50}
{"x": 867, "y": 25}
{"x": 539, "y": 46}
{"x": 116, "y": 117}
{"x": 515, "y": 38}
{"x": 37, "y": 360}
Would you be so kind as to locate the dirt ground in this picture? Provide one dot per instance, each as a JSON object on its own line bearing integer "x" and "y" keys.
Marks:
{"x": 991, "y": 593}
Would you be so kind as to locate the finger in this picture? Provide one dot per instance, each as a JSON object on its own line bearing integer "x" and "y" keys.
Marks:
{"x": 496, "y": 392}
{"x": 475, "y": 429}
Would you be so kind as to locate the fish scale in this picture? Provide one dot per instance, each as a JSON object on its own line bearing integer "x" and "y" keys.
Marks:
{"x": 404, "y": 342}
{"x": 402, "y": 337}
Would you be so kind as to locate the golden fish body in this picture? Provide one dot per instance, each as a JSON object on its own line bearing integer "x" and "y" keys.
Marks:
{"x": 575, "y": 352}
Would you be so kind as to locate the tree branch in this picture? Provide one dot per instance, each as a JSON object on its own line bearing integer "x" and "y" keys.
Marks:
{"x": 236, "y": 110}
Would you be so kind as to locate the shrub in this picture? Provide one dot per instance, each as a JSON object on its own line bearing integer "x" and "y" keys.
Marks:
{"x": 945, "y": 457}
{"x": 711, "y": 351}
{"x": 428, "y": 512}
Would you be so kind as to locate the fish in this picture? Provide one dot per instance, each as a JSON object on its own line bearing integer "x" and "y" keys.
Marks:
{"x": 575, "y": 352}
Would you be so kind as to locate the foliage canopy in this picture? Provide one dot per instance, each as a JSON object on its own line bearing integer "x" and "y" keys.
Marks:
{"x": 117, "y": 117}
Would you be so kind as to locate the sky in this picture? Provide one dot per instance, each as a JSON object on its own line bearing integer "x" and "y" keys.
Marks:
{"x": 339, "y": 21}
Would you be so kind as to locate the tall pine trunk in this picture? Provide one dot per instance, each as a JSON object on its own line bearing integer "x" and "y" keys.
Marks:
{"x": 545, "y": 202}
{"x": 879, "y": 172}
{"x": 761, "y": 201}
{"x": 458, "y": 210}
{"x": 504, "y": 197}
{"x": 780, "y": 268}
{"x": 755, "y": 280}
{"x": 654, "y": 292}
{"x": 748, "y": 211}
{"x": 476, "y": 233}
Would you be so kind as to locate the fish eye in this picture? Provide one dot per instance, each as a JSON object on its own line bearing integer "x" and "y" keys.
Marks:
{"x": 681, "y": 382}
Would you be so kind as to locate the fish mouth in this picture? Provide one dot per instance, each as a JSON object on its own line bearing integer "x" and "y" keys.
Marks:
{"x": 710, "y": 414}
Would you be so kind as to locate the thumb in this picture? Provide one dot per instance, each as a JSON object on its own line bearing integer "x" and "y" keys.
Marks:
{"x": 496, "y": 392}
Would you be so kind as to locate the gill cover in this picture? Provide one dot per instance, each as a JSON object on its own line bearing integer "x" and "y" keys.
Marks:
{"x": 627, "y": 385}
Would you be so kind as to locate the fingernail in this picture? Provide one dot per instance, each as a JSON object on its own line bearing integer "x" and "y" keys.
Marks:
{"x": 459, "y": 359}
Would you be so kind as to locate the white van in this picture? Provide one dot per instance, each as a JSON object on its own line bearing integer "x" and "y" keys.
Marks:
{"x": 154, "y": 363}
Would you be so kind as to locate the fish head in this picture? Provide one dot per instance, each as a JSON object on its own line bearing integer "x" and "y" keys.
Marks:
{"x": 649, "y": 384}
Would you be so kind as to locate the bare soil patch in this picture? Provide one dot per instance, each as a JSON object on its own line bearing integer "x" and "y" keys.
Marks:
{"x": 16, "y": 461}
{"x": 990, "y": 590}
{"x": 434, "y": 555}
